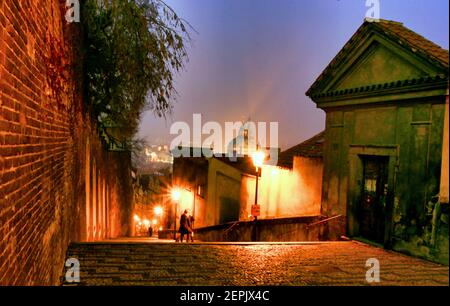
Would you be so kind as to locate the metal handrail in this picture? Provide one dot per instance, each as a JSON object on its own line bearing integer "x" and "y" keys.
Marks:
{"x": 323, "y": 221}
{"x": 230, "y": 228}
{"x": 308, "y": 226}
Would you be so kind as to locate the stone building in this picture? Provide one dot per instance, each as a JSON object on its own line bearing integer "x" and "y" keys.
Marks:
{"x": 385, "y": 96}
{"x": 210, "y": 187}
{"x": 220, "y": 190}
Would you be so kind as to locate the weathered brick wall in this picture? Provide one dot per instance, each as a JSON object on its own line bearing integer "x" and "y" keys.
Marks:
{"x": 48, "y": 147}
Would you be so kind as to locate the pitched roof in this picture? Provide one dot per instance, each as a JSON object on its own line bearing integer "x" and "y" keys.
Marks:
{"x": 427, "y": 47}
{"x": 312, "y": 147}
{"x": 396, "y": 31}
{"x": 243, "y": 164}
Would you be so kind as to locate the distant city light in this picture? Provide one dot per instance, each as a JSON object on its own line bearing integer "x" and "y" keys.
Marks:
{"x": 158, "y": 154}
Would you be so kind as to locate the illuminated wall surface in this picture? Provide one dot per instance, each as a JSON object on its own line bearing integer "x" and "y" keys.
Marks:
{"x": 186, "y": 201}
{"x": 229, "y": 192}
{"x": 284, "y": 192}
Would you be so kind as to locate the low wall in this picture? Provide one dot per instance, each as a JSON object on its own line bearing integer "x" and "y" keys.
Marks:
{"x": 165, "y": 234}
{"x": 285, "y": 229}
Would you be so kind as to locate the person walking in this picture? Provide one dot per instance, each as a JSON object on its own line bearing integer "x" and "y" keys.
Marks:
{"x": 185, "y": 228}
{"x": 150, "y": 231}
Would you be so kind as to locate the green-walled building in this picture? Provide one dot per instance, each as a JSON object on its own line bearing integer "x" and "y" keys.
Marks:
{"x": 385, "y": 95}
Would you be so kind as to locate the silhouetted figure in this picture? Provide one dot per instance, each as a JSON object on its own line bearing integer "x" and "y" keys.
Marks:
{"x": 150, "y": 231}
{"x": 185, "y": 228}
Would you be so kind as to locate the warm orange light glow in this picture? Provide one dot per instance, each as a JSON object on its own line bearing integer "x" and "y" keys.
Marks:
{"x": 160, "y": 228}
{"x": 176, "y": 194}
{"x": 258, "y": 158}
{"x": 283, "y": 193}
{"x": 185, "y": 200}
{"x": 136, "y": 218}
{"x": 146, "y": 223}
{"x": 274, "y": 172}
{"x": 158, "y": 210}
{"x": 155, "y": 221}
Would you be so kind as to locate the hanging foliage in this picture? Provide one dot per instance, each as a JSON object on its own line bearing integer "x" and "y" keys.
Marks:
{"x": 133, "y": 49}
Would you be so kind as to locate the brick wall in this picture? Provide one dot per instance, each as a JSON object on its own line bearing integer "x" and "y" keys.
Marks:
{"x": 57, "y": 182}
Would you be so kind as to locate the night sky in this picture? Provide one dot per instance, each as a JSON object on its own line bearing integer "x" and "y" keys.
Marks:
{"x": 256, "y": 58}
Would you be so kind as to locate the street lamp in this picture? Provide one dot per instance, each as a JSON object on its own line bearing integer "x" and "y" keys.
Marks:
{"x": 258, "y": 160}
{"x": 176, "y": 194}
{"x": 158, "y": 210}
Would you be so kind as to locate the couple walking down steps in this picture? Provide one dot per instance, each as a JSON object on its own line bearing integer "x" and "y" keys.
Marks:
{"x": 186, "y": 227}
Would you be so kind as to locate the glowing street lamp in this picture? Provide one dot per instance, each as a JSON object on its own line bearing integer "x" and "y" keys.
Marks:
{"x": 136, "y": 218}
{"x": 146, "y": 223}
{"x": 158, "y": 210}
{"x": 176, "y": 194}
{"x": 258, "y": 160}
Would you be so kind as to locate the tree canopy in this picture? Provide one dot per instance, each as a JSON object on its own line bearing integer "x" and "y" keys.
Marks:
{"x": 133, "y": 48}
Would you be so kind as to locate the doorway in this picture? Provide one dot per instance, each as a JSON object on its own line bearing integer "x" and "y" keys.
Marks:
{"x": 373, "y": 201}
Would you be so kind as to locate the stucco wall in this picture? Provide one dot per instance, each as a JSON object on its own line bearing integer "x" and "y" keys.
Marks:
{"x": 443, "y": 194}
{"x": 283, "y": 192}
{"x": 410, "y": 133}
{"x": 224, "y": 187}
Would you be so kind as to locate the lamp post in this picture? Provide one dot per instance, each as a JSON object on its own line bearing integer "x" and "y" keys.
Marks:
{"x": 175, "y": 197}
{"x": 258, "y": 160}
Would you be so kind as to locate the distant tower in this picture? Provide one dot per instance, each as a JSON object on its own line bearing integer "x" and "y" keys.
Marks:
{"x": 243, "y": 143}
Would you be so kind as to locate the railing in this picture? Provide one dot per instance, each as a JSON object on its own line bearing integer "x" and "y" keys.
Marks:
{"x": 228, "y": 230}
{"x": 308, "y": 226}
{"x": 322, "y": 221}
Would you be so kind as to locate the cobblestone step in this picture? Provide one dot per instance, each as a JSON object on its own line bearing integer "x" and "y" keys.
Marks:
{"x": 344, "y": 263}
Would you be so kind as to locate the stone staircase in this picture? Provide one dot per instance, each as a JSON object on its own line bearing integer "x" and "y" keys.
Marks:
{"x": 132, "y": 262}
{"x": 145, "y": 264}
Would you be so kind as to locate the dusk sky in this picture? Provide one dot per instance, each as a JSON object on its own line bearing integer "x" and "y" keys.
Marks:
{"x": 257, "y": 58}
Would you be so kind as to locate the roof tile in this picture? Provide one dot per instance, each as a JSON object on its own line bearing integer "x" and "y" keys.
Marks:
{"x": 312, "y": 147}
{"x": 429, "y": 48}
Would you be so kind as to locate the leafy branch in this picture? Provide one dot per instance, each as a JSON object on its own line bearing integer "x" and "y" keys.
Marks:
{"x": 133, "y": 48}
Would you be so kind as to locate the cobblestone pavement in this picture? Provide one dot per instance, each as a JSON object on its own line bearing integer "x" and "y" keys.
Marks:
{"x": 131, "y": 262}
